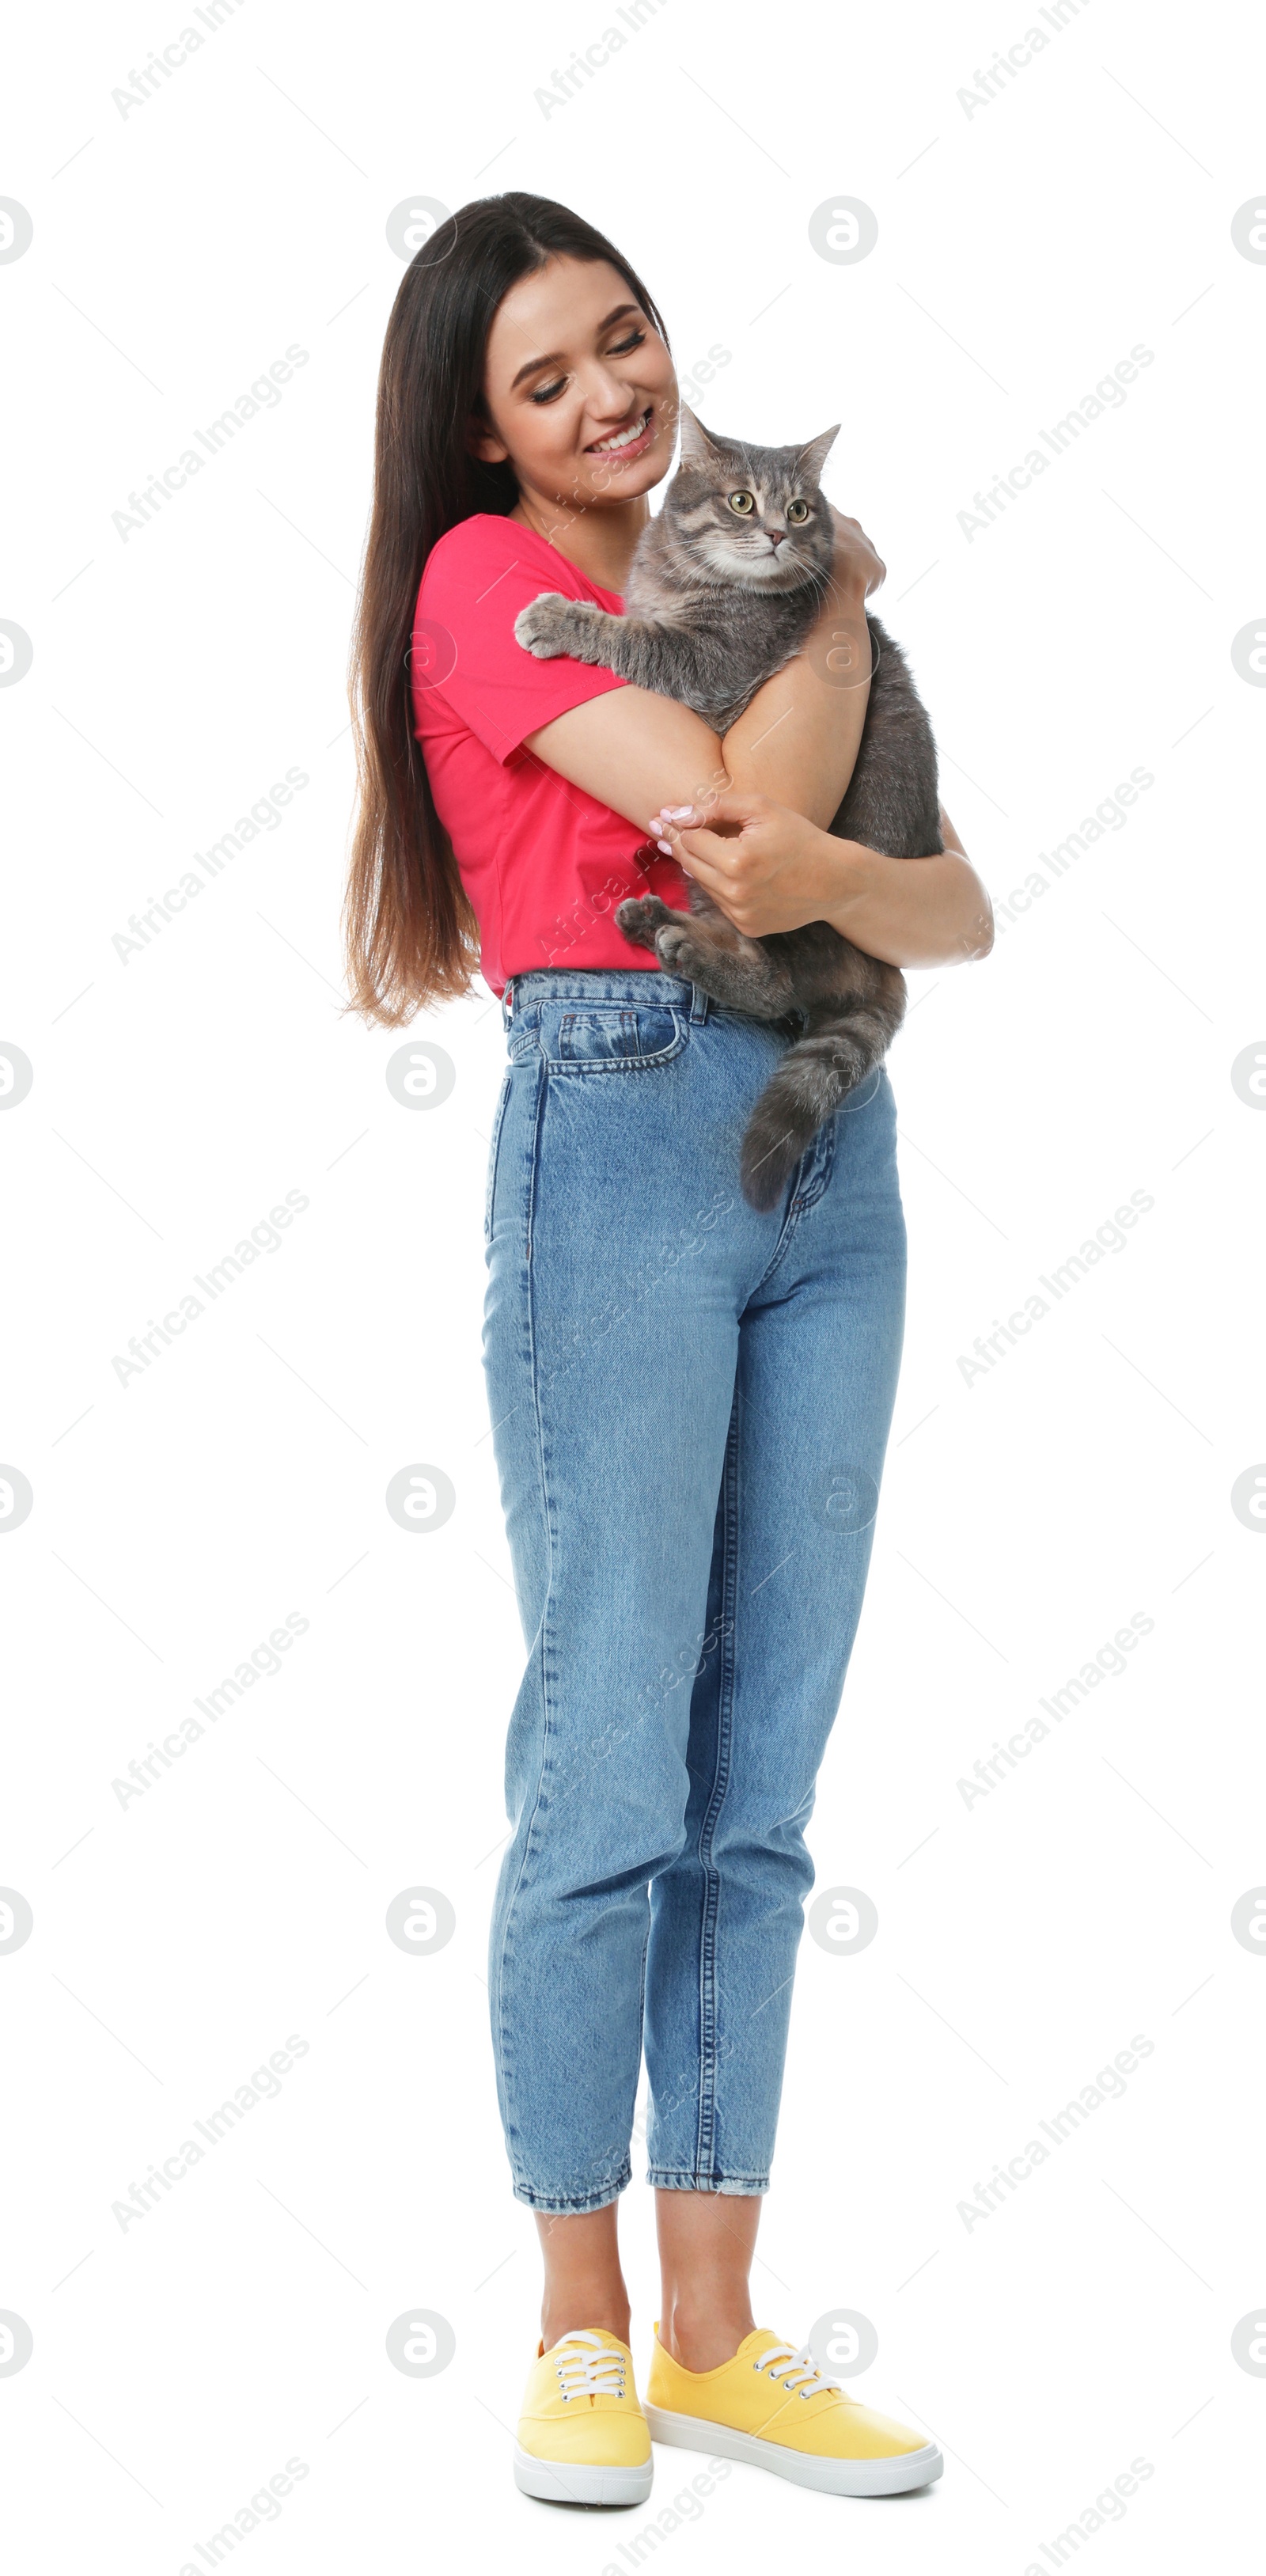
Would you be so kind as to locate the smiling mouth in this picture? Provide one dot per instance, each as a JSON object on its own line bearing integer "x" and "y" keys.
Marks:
{"x": 623, "y": 437}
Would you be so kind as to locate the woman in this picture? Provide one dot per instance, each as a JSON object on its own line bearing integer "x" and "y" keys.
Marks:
{"x": 690, "y": 1400}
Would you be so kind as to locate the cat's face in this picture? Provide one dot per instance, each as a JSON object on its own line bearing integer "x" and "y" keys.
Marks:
{"x": 754, "y": 516}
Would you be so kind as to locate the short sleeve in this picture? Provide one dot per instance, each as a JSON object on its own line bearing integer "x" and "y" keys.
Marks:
{"x": 465, "y": 661}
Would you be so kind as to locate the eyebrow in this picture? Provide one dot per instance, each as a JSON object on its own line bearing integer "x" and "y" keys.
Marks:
{"x": 534, "y": 365}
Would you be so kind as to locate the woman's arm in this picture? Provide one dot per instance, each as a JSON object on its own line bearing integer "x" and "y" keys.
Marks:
{"x": 798, "y": 741}
{"x": 632, "y": 750}
{"x": 769, "y": 869}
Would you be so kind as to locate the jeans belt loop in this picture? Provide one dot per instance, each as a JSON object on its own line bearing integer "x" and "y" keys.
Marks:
{"x": 699, "y": 1005}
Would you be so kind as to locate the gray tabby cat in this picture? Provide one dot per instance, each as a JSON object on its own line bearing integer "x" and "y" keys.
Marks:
{"x": 724, "y": 586}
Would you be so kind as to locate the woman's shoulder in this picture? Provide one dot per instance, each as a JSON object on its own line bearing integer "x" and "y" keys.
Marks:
{"x": 484, "y": 543}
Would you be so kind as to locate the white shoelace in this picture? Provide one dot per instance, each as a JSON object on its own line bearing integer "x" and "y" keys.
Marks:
{"x": 794, "y": 2369}
{"x": 588, "y": 2367}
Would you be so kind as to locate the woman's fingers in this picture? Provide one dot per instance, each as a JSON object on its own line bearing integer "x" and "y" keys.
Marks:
{"x": 707, "y": 847}
{"x": 731, "y": 805}
{"x": 723, "y": 860}
{"x": 855, "y": 552}
{"x": 669, "y": 819}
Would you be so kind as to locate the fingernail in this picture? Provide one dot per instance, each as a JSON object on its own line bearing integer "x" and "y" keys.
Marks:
{"x": 666, "y": 847}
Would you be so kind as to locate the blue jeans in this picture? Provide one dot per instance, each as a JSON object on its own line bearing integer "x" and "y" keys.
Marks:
{"x": 690, "y": 1406}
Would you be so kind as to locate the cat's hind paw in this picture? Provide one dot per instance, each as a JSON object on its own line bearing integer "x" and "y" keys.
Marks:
{"x": 677, "y": 949}
{"x": 639, "y": 920}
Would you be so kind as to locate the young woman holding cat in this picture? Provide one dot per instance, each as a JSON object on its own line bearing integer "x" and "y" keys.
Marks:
{"x": 690, "y": 1396}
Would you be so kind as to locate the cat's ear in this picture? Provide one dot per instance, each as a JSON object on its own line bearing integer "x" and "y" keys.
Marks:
{"x": 698, "y": 447}
{"x": 814, "y": 456}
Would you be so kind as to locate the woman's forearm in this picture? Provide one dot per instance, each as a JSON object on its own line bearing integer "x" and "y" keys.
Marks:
{"x": 913, "y": 912}
{"x": 631, "y": 750}
{"x": 799, "y": 739}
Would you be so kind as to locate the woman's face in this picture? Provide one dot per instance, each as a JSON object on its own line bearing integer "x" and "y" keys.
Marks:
{"x": 579, "y": 387}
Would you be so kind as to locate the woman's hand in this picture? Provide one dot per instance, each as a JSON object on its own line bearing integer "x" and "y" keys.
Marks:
{"x": 857, "y": 567}
{"x": 769, "y": 870}
{"x": 765, "y": 866}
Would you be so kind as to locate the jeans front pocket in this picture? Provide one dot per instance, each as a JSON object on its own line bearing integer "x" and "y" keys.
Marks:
{"x": 610, "y": 1037}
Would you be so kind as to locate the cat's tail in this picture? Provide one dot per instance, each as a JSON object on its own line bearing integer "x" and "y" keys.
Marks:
{"x": 842, "y": 1044}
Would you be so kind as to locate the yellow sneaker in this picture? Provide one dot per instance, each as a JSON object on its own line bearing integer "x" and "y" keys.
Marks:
{"x": 582, "y": 2433}
{"x": 771, "y": 2407}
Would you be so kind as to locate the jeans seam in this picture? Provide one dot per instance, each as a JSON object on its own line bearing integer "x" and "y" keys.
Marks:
{"x": 706, "y": 2125}
{"x": 803, "y": 1200}
{"x": 679, "y": 2178}
{"x": 641, "y": 2026}
{"x": 555, "y": 2206}
{"x": 790, "y": 1223}
{"x": 820, "y": 1180}
{"x": 507, "y": 1928}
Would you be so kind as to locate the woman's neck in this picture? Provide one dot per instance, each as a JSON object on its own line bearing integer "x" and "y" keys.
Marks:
{"x": 598, "y": 541}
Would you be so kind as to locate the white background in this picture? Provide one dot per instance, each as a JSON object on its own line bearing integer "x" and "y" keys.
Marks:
{"x": 1023, "y": 1940}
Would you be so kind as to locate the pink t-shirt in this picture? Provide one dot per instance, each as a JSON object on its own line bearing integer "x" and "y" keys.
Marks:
{"x": 544, "y": 864}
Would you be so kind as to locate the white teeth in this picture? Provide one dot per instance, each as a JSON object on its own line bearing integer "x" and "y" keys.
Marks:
{"x": 606, "y": 446}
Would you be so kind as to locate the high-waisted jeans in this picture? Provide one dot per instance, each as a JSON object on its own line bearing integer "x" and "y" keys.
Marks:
{"x": 690, "y": 1404}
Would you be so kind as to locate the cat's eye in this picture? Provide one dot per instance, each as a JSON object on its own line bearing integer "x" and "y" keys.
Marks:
{"x": 797, "y": 513}
{"x": 742, "y": 504}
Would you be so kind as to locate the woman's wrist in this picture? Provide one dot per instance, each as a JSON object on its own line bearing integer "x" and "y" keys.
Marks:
{"x": 814, "y": 876}
{"x": 849, "y": 875}
{"x": 921, "y": 912}
{"x": 848, "y": 591}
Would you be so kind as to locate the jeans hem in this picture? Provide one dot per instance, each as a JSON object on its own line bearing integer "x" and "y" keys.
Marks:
{"x": 738, "y": 2186}
{"x": 550, "y": 2206}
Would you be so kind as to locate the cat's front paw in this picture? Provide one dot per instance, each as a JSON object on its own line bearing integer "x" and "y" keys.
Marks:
{"x": 552, "y": 624}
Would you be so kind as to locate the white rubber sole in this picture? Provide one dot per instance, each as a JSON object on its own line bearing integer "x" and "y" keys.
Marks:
{"x": 570, "y": 2482}
{"x": 896, "y": 2476}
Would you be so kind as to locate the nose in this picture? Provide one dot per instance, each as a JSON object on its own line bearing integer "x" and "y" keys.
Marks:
{"x": 776, "y": 536}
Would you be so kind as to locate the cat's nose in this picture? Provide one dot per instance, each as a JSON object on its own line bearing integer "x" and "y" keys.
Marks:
{"x": 776, "y": 536}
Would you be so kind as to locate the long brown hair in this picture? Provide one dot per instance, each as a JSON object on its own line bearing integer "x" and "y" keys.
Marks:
{"x": 411, "y": 933}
